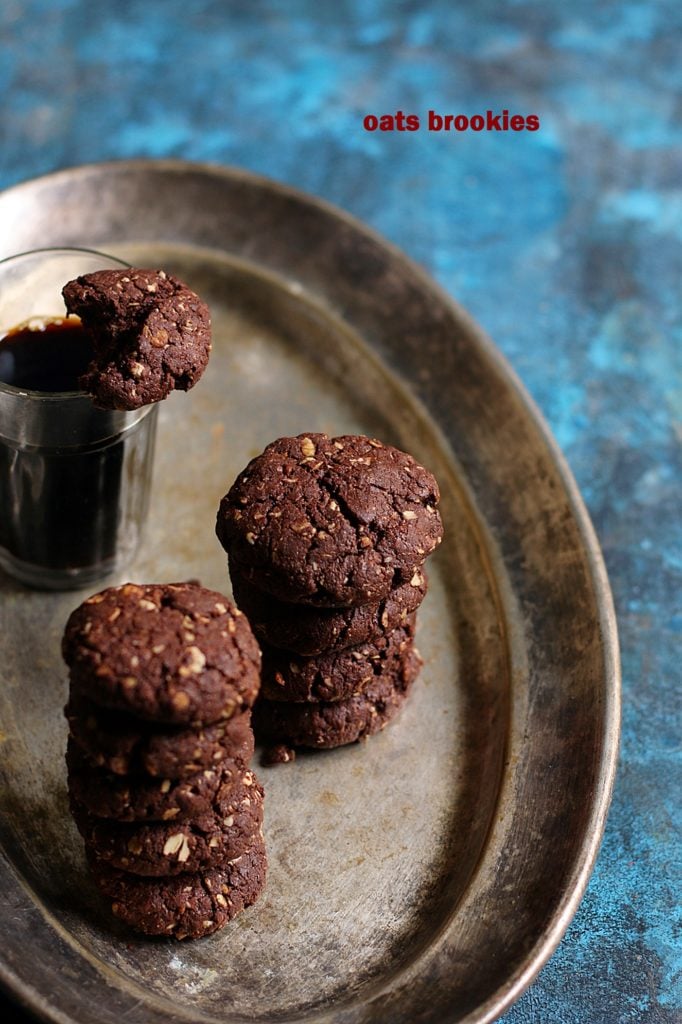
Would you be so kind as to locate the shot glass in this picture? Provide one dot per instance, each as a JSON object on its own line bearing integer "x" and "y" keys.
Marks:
{"x": 74, "y": 480}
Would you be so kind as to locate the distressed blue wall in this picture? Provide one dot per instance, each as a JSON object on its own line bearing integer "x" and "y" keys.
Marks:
{"x": 566, "y": 244}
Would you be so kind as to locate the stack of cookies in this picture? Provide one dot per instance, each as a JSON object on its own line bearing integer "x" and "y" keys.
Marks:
{"x": 326, "y": 540}
{"x": 162, "y": 680}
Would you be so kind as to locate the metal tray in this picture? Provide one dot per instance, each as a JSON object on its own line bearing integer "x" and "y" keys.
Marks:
{"x": 426, "y": 875}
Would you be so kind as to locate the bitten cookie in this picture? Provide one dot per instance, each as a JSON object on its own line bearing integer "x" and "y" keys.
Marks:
{"x": 137, "y": 798}
{"x": 330, "y": 522}
{"x": 173, "y": 653}
{"x": 185, "y": 906}
{"x": 336, "y": 676}
{"x": 161, "y": 849}
{"x": 124, "y": 745}
{"x": 150, "y": 333}
{"x": 336, "y": 723}
{"x": 310, "y": 631}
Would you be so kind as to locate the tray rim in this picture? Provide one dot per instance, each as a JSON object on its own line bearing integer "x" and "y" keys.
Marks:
{"x": 539, "y": 954}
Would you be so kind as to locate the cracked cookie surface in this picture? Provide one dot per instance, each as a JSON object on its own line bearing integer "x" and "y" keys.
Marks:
{"x": 170, "y": 848}
{"x": 185, "y": 906}
{"x": 331, "y": 522}
{"x": 151, "y": 334}
{"x": 309, "y": 631}
{"x": 174, "y": 653}
{"x": 336, "y": 676}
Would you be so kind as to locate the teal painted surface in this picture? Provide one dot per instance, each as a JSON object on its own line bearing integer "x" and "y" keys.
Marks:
{"x": 566, "y": 245}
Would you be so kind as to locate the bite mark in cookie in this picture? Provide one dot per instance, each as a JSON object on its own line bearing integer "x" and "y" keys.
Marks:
{"x": 151, "y": 334}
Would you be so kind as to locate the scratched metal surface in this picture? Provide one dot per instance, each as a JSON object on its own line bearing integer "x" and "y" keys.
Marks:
{"x": 429, "y": 873}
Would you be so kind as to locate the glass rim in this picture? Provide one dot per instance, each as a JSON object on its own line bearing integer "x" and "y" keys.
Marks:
{"x": 54, "y": 250}
{"x": 65, "y": 249}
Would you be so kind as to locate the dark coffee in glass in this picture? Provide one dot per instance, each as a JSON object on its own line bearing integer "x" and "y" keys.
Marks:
{"x": 74, "y": 479}
{"x": 49, "y": 356}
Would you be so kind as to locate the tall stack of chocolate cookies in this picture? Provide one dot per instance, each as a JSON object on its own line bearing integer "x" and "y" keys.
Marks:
{"x": 162, "y": 680}
{"x": 326, "y": 540}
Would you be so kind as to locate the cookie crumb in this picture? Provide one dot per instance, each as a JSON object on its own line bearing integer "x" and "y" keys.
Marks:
{"x": 279, "y": 754}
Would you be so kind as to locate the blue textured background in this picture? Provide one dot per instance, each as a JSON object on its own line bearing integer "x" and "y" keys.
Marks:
{"x": 565, "y": 244}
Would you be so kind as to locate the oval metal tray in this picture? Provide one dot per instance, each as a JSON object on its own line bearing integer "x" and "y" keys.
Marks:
{"x": 426, "y": 875}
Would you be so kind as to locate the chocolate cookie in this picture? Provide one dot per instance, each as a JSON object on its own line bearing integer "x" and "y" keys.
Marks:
{"x": 106, "y": 795}
{"x": 124, "y": 745}
{"x": 330, "y": 522}
{"x": 336, "y": 676}
{"x": 150, "y": 334}
{"x": 186, "y": 906}
{"x": 168, "y": 849}
{"x": 309, "y": 631}
{"x": 169, "y": 652}
{"x": 339, "y": 722}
